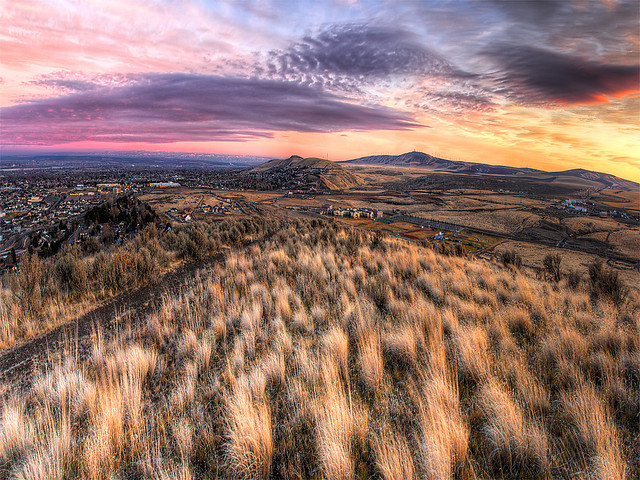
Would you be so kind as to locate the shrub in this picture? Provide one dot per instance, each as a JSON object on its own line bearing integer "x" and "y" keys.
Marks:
{"x": 606, "y": 282}
{"x": 28, "y": 291}
{"x": 573, "y": 279}
{"x": 552, "y": 266}
{"x": 511, "y": 257}
{"x": 92, "y": 245}
{"x": 72, "y": 274}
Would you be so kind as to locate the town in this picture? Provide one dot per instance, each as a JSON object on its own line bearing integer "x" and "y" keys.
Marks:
{"x": 43, "y": 211}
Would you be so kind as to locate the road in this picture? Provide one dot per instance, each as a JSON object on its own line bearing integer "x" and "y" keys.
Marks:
{"x": 561, "y": 244}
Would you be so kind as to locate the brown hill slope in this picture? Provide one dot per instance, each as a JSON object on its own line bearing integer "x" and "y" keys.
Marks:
{"x": 581, "y": 177}
{"x": 324, "y": 352}
{"x": 316, "y": 172}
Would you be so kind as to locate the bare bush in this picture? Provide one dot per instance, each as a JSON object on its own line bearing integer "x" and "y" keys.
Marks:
{"x": 551, "y": 265}
{"x": 606, "y": 283}
{"x": 511, "y": 258}
{"x": 27, "y": 287}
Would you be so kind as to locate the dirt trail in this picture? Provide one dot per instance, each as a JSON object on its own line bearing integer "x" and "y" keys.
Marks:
{"x": 17, "y": 363}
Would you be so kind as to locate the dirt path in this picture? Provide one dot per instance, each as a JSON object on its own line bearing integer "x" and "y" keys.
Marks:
{"x": 17, "y": 363}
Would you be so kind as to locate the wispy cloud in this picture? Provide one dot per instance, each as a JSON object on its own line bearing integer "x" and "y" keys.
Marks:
{"x": 455, "y": 102}
{"x": 74, "y": 81}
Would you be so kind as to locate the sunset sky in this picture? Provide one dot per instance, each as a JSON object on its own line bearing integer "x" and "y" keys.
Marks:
{"x": 545, "y": 84}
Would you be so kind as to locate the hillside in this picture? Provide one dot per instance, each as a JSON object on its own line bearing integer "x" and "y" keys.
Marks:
{"x": 306, "y": 172}
{"x": 585, "y": 178}
{"x": 609, "y": 181}
{"x": 315, "y": 351}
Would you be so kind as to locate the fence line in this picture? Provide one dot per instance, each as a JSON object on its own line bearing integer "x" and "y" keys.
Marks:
{"x": 429, "y": 223}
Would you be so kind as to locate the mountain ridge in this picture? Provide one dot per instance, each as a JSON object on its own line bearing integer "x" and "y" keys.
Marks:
{"x": 424, "y": 160}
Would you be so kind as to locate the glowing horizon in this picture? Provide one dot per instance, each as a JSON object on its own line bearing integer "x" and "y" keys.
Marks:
{"x": 548, "y": 85}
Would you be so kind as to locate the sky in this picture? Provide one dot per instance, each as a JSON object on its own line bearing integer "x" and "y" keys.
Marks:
{"x": 545, "y": 84}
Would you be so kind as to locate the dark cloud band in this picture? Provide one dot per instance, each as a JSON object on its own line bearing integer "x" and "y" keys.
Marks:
{"x": 187, "y": 107}
{"x": 537, "y": 76}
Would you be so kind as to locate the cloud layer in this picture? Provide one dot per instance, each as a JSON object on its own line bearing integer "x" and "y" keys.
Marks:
{"x": 188, "y": 107}
{"x": 533, "y": 76}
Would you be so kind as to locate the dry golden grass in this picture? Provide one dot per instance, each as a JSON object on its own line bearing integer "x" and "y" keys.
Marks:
{"x": 45, "y": 293}
{"x": 626, "y": 242}
{"x": 633, "y": 198}
{"x": 330, "y": 353}
{"x": 514, "y": 445}
{"x": 249, "y": 444}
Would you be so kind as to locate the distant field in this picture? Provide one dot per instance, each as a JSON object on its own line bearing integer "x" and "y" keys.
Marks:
{"x": 421, "y": 233}
{"x": 502, "y": 222}
{"x": 582, "y": 225}
{"x": 374, "y": 226}
{"x": 471, "y": 241}
{"x": 627, "y": 242}
{"x": 533, "y": 256}
{"x": 632, "y": 199}
{"x": 503, "y": 213}
{"x": 178, "y": 198}
{"x": 260, "y": 196}
{"x": 298, "y": 202}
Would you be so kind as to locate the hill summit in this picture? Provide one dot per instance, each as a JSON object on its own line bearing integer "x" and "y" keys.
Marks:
{"x": 310, "y": 172}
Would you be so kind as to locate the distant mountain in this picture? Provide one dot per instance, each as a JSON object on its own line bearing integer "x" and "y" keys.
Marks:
{"x": 310, "y": 171}
{"x": 423, "y": 160}
{"x": 580, "y": 176}
{"x": 410, "y": 159}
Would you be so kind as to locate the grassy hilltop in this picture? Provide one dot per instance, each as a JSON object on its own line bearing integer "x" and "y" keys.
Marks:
{"x": 313, "y": 350}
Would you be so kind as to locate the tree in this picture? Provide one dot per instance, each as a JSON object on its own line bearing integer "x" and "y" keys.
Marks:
{"x": 552, "y": 266}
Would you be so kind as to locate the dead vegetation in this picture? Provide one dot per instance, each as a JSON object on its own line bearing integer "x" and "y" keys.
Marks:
{"x": 44, "y": 293}
{"x": 325, "y": 352}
